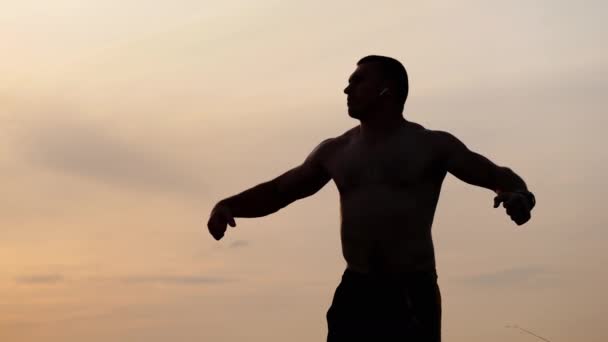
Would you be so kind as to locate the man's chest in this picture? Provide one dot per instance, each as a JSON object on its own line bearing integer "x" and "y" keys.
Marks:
{"x": 399, "y": 164}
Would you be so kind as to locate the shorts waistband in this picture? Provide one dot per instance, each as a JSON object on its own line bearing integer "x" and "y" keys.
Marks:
{"x": 405, "y": 276}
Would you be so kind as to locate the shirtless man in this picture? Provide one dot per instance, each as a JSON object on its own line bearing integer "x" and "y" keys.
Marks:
{"x": 388, "y": 172}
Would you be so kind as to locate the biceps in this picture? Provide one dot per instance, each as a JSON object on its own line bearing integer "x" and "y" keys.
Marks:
{"x": 302, "y": 181}
{"x": 473, "y": 168}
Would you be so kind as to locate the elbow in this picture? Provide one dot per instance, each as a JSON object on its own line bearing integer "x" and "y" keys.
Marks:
{"x": 279, "y": 198}
{"x": 503, "y": 173}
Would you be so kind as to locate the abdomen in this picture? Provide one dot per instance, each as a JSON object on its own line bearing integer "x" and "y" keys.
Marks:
{"x": 386, "y": 229}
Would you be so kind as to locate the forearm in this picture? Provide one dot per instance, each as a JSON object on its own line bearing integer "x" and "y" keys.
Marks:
{"x": 508, "y": 181}
{"x": 261, "y": 200}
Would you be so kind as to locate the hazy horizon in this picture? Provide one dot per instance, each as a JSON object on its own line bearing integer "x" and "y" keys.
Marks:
{"x": 123, "y": 124}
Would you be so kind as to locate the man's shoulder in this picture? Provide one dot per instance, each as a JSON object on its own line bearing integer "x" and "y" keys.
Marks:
{"x": 327, "y": 148}
{"x": 435, "y": 135}
{"x": 339, "y": 140}
{"x": 443, "y": 138}
{"x": 329, "y": 143}
{"x": 445, "y": 143}
{"x": 348, "y": 134}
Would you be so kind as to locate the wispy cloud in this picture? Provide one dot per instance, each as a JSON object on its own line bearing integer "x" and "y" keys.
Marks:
{"x": 511, "y": 276}
{"x": 239, "y": 243}
{"x": 36, "y": 279}
{"x": 91, "y": 150}
{"x": 170, "y": 279}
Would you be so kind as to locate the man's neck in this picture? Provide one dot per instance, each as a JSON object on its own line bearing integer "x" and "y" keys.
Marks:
{"x": 378, "y": 129}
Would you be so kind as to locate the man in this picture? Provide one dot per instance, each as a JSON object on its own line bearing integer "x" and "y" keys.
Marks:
{"x": 389, "y": 172}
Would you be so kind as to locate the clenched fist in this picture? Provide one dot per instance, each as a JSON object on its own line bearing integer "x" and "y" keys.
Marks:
{"x": 219, "y": 218}
{"x": 518, "y": 206}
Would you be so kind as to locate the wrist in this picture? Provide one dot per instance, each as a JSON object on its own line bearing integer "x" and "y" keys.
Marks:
{"x": 529, "y": 196}
{"x": 221, "y": 204}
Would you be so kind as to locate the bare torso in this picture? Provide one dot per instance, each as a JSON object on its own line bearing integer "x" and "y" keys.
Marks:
{"x": 388, "y": 195}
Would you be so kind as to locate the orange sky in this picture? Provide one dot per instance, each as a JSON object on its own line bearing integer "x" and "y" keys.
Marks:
{"x": 122, "y": 124}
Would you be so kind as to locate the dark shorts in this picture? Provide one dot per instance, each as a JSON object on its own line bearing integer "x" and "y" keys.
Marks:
{"x": 385, "y": 308}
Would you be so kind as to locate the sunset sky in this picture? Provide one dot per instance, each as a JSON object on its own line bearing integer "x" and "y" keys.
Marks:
{"x": 123, "y": 122}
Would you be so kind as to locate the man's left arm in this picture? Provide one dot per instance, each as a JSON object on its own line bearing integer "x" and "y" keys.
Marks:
{"x": 475, "y": 169}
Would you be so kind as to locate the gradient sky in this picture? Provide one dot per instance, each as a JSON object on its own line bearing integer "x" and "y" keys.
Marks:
{"x": 121, "y": 124}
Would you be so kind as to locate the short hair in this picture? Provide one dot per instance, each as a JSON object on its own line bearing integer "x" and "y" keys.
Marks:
{"x": 391, "y": 70}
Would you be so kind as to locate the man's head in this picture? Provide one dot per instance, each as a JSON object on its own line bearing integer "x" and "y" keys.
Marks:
{"x": 378, "y": 82}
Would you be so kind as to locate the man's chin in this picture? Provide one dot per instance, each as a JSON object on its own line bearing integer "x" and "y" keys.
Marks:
{"x": 354, "y": 113}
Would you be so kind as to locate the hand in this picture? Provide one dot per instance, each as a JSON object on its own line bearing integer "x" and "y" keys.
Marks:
{"x": 517, "y": 206}
{"x": 219, "y": 218}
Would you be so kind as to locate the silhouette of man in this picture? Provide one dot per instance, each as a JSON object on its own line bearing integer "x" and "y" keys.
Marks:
{"x": 389, "y": 172}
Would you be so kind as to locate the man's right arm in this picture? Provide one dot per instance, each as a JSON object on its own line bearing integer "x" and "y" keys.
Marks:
{"x": 269, "y": 197}
{"x": 266, "y": 198}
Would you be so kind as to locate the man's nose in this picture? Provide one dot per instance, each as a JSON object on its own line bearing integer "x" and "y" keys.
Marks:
{"x": 346, "y": 90}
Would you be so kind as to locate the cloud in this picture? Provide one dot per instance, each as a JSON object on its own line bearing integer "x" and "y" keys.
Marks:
{"x": 239, "y": 243}
{"x": 180, "y": 280}
{"x": 54, "y": 278}
{"x": 40, "y": 279}
{"x": 92, "y": 151}
{"x": 509, "y": 277}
